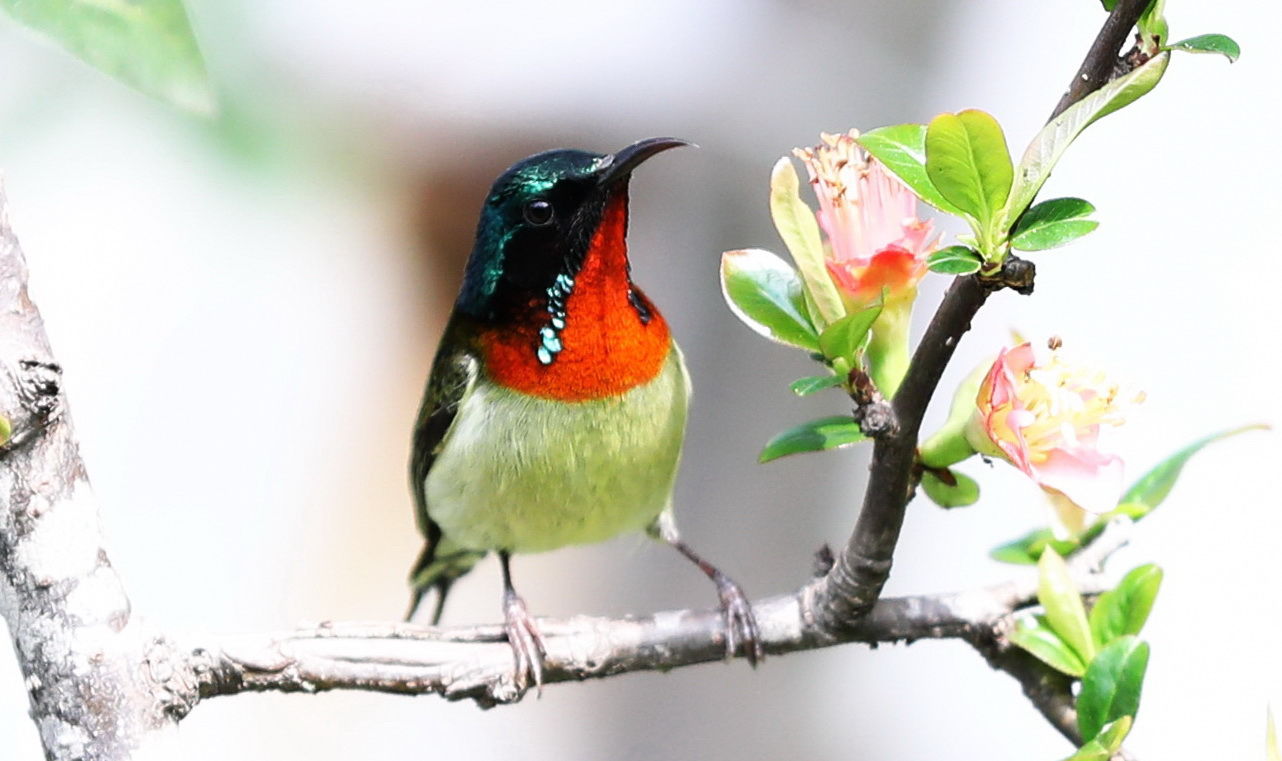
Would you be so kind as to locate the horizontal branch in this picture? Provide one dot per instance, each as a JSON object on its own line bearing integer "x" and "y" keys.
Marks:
{"x": 476, "y": 662}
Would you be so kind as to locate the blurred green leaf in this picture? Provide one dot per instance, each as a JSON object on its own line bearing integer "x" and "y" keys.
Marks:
{"x": 843, "y": 338}
{"x": 810, "y": 384}
{"x": 1153, "y": 487}
{"x": 1106, "y": 743}
{"x": 1034, "y": 634}
{"x": 962, "y": 492}
{"x": 799, "y": 229}
{"x": 1064, "y": 610}
{"x": 148, "y": 44}
{"x": 765, "y": 293}
{"x": 902, "y": 149}
{"x": 968, "y": 162}
{"x": 1044, "y": 152}
{"x": 6, "y": 430}
{"x": 1027, "y": 549}
{"x": 1209, "y": 43}
{"x": 814, "y": 436}
{"x": 954, "y": 260}
{"x": 1053, "y": 223}
{"x": 1112, "y": 685}
{"x": 1124, "y": 609}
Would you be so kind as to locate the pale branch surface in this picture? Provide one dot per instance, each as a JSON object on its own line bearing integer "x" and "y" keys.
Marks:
{"x": 862, "y": 568}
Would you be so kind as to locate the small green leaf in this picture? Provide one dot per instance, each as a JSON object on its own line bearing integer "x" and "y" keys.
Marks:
{"x": 1209, "y": 43}
{"x": 765, "y": 293}
{"x": 1044, "y": 152}
{"x": 1106, "y": 743}
{"x": 1053, "y": 223}
{"x": 1058, "y": 595}
{"x": 1034, "y": 634}
{"x": 799, "y": 229}
{"x": 1154, "y": 485}
{"x": 961, "y": 492}
{"x": 846, "y": 336}
{"x": 6, "y": 430}
{"x": 1112, "y": 685}
{"x": 147, "y": 44}
{"x": 1124, "y": 609}
{"x": 902, "y": 149}
{"x": 1028, "y": 549}
{"x": 968, "y": 162}
{"x": 809, "y": 385}
{"x": 954, "y": 260}
{"x": 814, "y": 436}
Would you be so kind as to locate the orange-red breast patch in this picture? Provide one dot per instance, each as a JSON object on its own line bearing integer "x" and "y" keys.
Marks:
{"x": 606, "y": 346}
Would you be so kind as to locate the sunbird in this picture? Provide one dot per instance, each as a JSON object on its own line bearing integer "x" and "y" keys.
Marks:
{"x": 556, "y": 406}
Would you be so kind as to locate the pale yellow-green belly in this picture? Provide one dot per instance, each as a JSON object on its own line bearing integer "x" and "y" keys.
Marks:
{"x": 526, "y": 474}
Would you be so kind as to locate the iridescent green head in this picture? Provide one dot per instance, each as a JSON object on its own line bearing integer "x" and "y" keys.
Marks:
{"x": 538, "y": 220}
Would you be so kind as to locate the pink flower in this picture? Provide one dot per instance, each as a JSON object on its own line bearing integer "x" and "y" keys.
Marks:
{"x": 875, "y": 239}
{"x": 1044, "y": 417}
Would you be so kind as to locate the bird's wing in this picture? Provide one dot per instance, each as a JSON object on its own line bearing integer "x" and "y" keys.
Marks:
{"x": 454, "y": 372}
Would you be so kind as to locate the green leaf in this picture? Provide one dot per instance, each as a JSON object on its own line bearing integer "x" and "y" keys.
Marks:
{"x": 800, "y": 232}
{"x": 1053, "y": 223}
{"x": 1044, "y": 152}
{"x": 1112, "y": 684}
{"x": 1028, "y": 549}
{"x": 809, "y": 385}
{"x": 968, "y": 162}
{"x": 1124, "y": 609}
{"x": 765, "y": 292}
{"x": 6, "y": 430}
{"x": 1209, "y": 43}
{"x": 902, "y": 149}
{"x": 1154, "y": 485}
{"x": 1064, "y": 610}
{"x": 1034, "y": 634}
{"x": 954, "y": 260}
{"x": 147, "y": 44}
{"x": 1106, "y": 743}
{"x": 814, "y": 436}
{"x": 961, "y": 492}
{"x": 845, "y": 336}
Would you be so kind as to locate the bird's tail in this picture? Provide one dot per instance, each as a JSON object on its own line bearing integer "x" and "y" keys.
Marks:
{"x": 439, "y": 565}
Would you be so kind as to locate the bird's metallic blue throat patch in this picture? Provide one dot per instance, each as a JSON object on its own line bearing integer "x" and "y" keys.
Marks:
{"x": 550, "y": 334}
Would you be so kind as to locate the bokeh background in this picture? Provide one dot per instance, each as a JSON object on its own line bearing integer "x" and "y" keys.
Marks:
{"x": 247, "y": 308}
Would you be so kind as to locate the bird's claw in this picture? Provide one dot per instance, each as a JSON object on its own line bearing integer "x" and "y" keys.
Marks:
{"x": 740, "y": 622}
{"x": 527, "y": 644}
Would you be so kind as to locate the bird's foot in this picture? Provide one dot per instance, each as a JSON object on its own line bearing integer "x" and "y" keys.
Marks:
{"x": 740, "y": 622}
{"x": 527, "y": 644}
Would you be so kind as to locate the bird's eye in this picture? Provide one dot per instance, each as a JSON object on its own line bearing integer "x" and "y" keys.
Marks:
{"x": 538, "y": 213}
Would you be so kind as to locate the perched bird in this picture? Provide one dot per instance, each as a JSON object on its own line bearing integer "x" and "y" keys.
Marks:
{"x": 556, "y": 406}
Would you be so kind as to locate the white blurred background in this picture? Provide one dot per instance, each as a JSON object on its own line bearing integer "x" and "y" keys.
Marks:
{"x": 247, "y": 310}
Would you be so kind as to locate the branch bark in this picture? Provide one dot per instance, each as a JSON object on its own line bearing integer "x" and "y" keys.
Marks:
{"x": 855, "y": 582}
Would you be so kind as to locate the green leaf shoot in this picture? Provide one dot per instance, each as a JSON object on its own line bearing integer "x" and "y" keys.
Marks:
{"x": 1209, "y": 43}
{"x": 765, "y": 293}
{"x": 954, "y": 260}
{"x": 1112, "y": 685}
{"x": 1035, "y": 635}
{"x": 799, "y": 229}
{"x": 147, "y": 44}
{"x": 962, "y": 492}
{"x": 1106, "y": 743}
{"x": 845, "y": 337}
{"x": 1064, "y": 610}
{"x": 1154, "y": 486}
{"x": 901, "y": 148}
{"x": 1124, "y": 609}
{"x": 968, "y": 162}
{"x": 814, "y": 436}
{"x": 1053, "y": 223}
{"x": 810, "y": 384}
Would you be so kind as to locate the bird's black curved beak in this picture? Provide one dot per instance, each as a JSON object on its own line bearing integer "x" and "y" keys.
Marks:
{"x": 620, "y": 165}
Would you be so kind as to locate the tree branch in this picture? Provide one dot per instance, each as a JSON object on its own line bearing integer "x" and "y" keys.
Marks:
{"x": 856, "y": 579}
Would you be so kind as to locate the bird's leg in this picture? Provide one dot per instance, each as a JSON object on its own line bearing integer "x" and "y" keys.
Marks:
{"x": 741, "y": 624}
{"x": 522, "y": 633}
